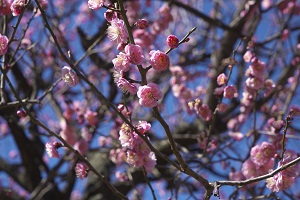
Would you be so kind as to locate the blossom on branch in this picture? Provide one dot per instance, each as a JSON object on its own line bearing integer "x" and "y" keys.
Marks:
{"x": 5, "y": 7}
{"x": 149, "y": 95}
{"x": 17, "y": 7}
{"x": 159, "y": 60}
{"x": 3, "y": 44}
{"x": 81, "y": 170}
{"x": 96, "y": 4}
{"x": 69, "y": 76}
{"x": 117, "y": 31}
{"x": 51, "y": 149}
{"x": 134, "y": 54}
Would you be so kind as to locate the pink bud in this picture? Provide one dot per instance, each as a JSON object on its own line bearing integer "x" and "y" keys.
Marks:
{"x": 142, "y": 24}
{"x": 172, "y": 41}
{"x": 21, "y": 113}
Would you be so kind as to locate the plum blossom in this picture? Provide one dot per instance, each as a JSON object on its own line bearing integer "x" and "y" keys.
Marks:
{"x": 159, "y": 60}
{"x": 142, "y": 24}
{"x": 81, "y": 146}
{"x": 150, "y": 162}
{"x": 91, "y": 117}
{"x": 222, "y": 79}
{"x": 135, "y": 54}
{"x": 3, "y": 44}
{"x": 51, "y": 149}
{"x": 248, "y": 56}
{"x": 149, "y": 95}
{"x": 5, "y": 7}
{"x": 143, "y": 127}
{"x": 126, "y": 86}
{"x": 117, "y": 31}
{"x": 204, "y": 112}
{"x": 17, "y": 7}
{"x": 81, "y": 170}
{"x": 121, "y": 62}
{"x": 230, "y": 92}
{"x": 172, "y": 41}
{"x": 69, "y": 76}
{"x": 95, "y": 4}
{"x": 262, "y": 153}
{"x": 68, "y": 133}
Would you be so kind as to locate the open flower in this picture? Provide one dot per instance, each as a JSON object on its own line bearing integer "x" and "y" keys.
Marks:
{"x": 117, "y": 31}
{"x": 81, "y": 170}
{"x": 3, "y": 44}
{"x": 159, "y": 60}
{"x": 95, "y": 4}
{"x": 149, "y": 95}
{"x": 51, "y": 149}
{"x": 17, "y": 7}
{"x": 135, "y": 54}
{"x": 69, "y": 76}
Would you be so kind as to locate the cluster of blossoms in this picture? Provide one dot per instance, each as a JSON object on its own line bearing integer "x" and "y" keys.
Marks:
{"x": 228, "y": 91}
{"x": 286, "y": 178}
{"x": 138, "y": 154}
{"x": 81, "y": 170}
{"x": 201, "y": 109}
{"x": 262, "y": 161}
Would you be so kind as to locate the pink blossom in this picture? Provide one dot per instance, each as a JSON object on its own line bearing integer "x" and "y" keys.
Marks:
{"x": 5, "y": 7}
{"x": 248, "y": 56}
{"x": 279, "y": 182}
{"x": 159, "y": 60}
{"x": 68, "y": 133}
{"x": 117, "y": 156}
{"x": 257, "y": 68}
{"x": 95, "y": 4}
{"x": 17, "y": 7}
{"x": 262, "y": 153}
{"x": 236, "y": 135}
{"x": 249, "y": 169}
{"x": 81, "y": 146}
{"x": 278, "y": 124}
{"x": 149, "y": 95}
{"x": 121, "y": 62}
{"x": 230, "y": 92}
{"x": 125, "y": 135}
{"x": 222, "y": 79}
{"x": 138, "y": 145}
{"x": 142, "y": 24}
{"x": 143, "y": 127}
{"x": 121, "y": 176}
{"x": 236, "y": 176}
{"x": 150, "y": 162}
{"x": 172, "y": 41}
{"x": 269, "y": 87}
{"x": 51, "y": 149}
{"x": 266, "y": 4}
{"x": 204, "y": 112}
{"x": 126, "y": 86}
{"x": 104, "y": 141}
{"x": 69, "y": 76}
{"x": 134, "y": 159}
{"x": 3, "y": 44}
{"x": 81, "y": 170}
{"x": 222, "y": 107}
{"x": 219, "y": 91}
{"x": 22, "y": 113}
{"x": 135, "y": 54}
{"x": 91, "y": 117}
{"x": 255, "y": 83}
{"x": 117, "y": 31}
